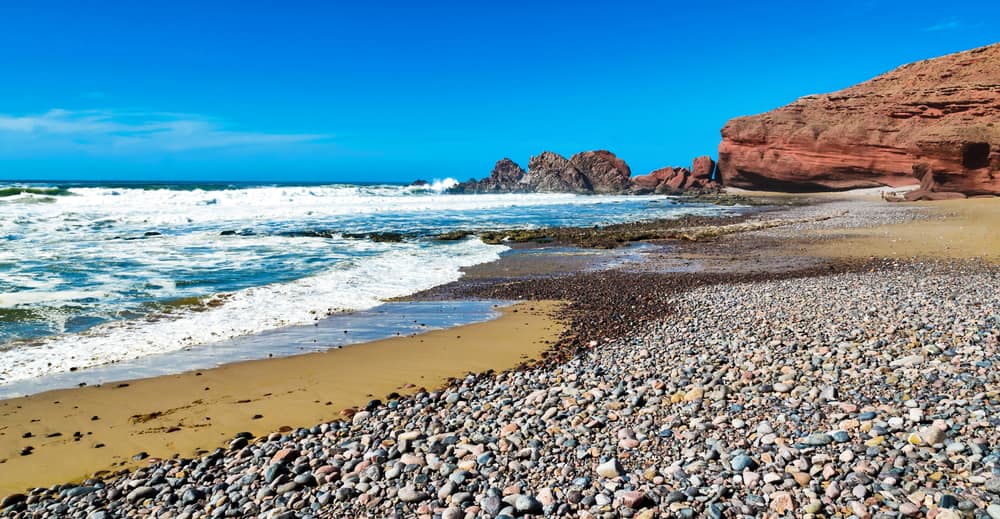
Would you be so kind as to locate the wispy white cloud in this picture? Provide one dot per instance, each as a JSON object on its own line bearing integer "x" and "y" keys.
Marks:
{"x": 114, "y": 132}
{"x": 950, "y": 24}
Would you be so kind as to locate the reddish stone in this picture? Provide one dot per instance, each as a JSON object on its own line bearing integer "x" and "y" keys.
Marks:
{"x": 605, "y": 172}
{"x": 284, "y": 455}
{"x": 702, "y": 167}
{"x": 634, "y": 499}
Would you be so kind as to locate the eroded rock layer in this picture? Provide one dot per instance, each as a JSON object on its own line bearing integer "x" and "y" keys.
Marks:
{"x": 936, "y": 122}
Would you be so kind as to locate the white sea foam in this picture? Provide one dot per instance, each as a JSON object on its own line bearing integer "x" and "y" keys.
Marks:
{"x": 397, "y": 270}
{"x": 15, "y": 299}
{"x": 107, "y": 254}
{"x": 151, "y": 209}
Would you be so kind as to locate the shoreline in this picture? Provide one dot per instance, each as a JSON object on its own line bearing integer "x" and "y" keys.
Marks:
{"x": 336, "y": 331}
{"x": 202, "y": 410}
{"x": 610, "y": 308}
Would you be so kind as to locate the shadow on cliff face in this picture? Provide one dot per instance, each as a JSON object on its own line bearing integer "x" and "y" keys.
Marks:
{"x": 976, "y": 155}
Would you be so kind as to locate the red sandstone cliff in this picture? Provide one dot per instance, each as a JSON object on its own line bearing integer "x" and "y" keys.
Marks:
{"x": 936, "y": 121}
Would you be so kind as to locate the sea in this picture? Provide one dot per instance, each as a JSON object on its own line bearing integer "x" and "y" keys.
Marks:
{"x": 95, "y": 274}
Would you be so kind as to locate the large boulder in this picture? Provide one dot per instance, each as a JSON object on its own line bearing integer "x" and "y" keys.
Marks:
{"x": 506, "y": 172}
{"x": 551, "y": 172}
{"x": 606, "y": 173}
{"x": 506, "y": 177}
{"x": 938, "y": 119}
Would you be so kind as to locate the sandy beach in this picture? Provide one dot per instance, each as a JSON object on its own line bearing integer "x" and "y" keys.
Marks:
{"x": 954, "y": 229}
{"x": 197, "y": 412}
{"x": 732, "y": 372}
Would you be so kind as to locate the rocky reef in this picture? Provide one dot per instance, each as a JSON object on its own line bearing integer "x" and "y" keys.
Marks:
{"x": 936, "y": 121}
{"x": 589, "y": 172}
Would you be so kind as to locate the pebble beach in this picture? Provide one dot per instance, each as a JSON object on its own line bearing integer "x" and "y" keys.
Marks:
{"x": 800, "y": 369}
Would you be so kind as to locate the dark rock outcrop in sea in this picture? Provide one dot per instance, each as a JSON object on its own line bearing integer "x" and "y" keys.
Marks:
{"x": 550, "y": 172}
{"x": 937, "y": 120}
{"x": 588, "y": 172}
{"x": 605, "y": 172}
{"x": 507, "y": 177}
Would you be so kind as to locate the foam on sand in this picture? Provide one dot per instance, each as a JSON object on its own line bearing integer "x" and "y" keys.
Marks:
{"x": 400, "y": 270}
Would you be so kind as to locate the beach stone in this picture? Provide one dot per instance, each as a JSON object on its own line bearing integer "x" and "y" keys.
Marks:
{"x": 527, "y": 505}
{"x": 993, "y": 511}
{"x": 610, "y": 469}
{"x": 141, "y": 493}
{"x": 452, "y": 512}
{"x": 273, "y": 471}
{"x": 948, "y": 501}
{"x": 742, "y": 461}
{"x": 305, "y": 480}
{"x": 782, "y": 502}
{"x": 12, "y": 499}
{"x": 993, "y": 485}
{"x": 818, "y": 440}
{"x": 907, "y": 362}
{"x": 696, "y": 393}
{"x": 192, "y": 496}
{"x": 491, "y": 505}
{"x": 841, "y": 436}
{"x": 859, "y": 509}
{"x": 932, "y": 435}
{"x": 73, "y": 492}
{"x": 635, "y": 500}
{"x": 675, "y": 496}
{"x": 285, "y": 488}
{"x": 409, "y": 494}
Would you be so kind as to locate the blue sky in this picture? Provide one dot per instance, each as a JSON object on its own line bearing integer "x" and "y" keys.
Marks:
{"x": 326, "y": 91}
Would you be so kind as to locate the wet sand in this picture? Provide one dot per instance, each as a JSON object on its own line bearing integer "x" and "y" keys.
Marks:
{"x": 956, "y": 229}
{"x": 199, "y": 411}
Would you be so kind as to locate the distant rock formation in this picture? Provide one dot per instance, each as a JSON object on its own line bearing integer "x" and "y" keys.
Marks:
{"x": 670, "y": 180}
{"x": 588, "y": 172}
{"x": 936, "y": 121}
{"x": 550, "y": 172}
{"x": 605, "y": 172}
{"x": 506, "y": 177}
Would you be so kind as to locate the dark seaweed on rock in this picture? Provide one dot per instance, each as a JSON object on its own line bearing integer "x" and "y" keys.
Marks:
{"x": 46, "y": 191}
{"x": 607, "y": 237}
{"x": 378, "y": 237}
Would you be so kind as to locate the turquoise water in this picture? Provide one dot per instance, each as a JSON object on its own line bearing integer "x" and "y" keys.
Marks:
{"x": 99, "y": 273}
